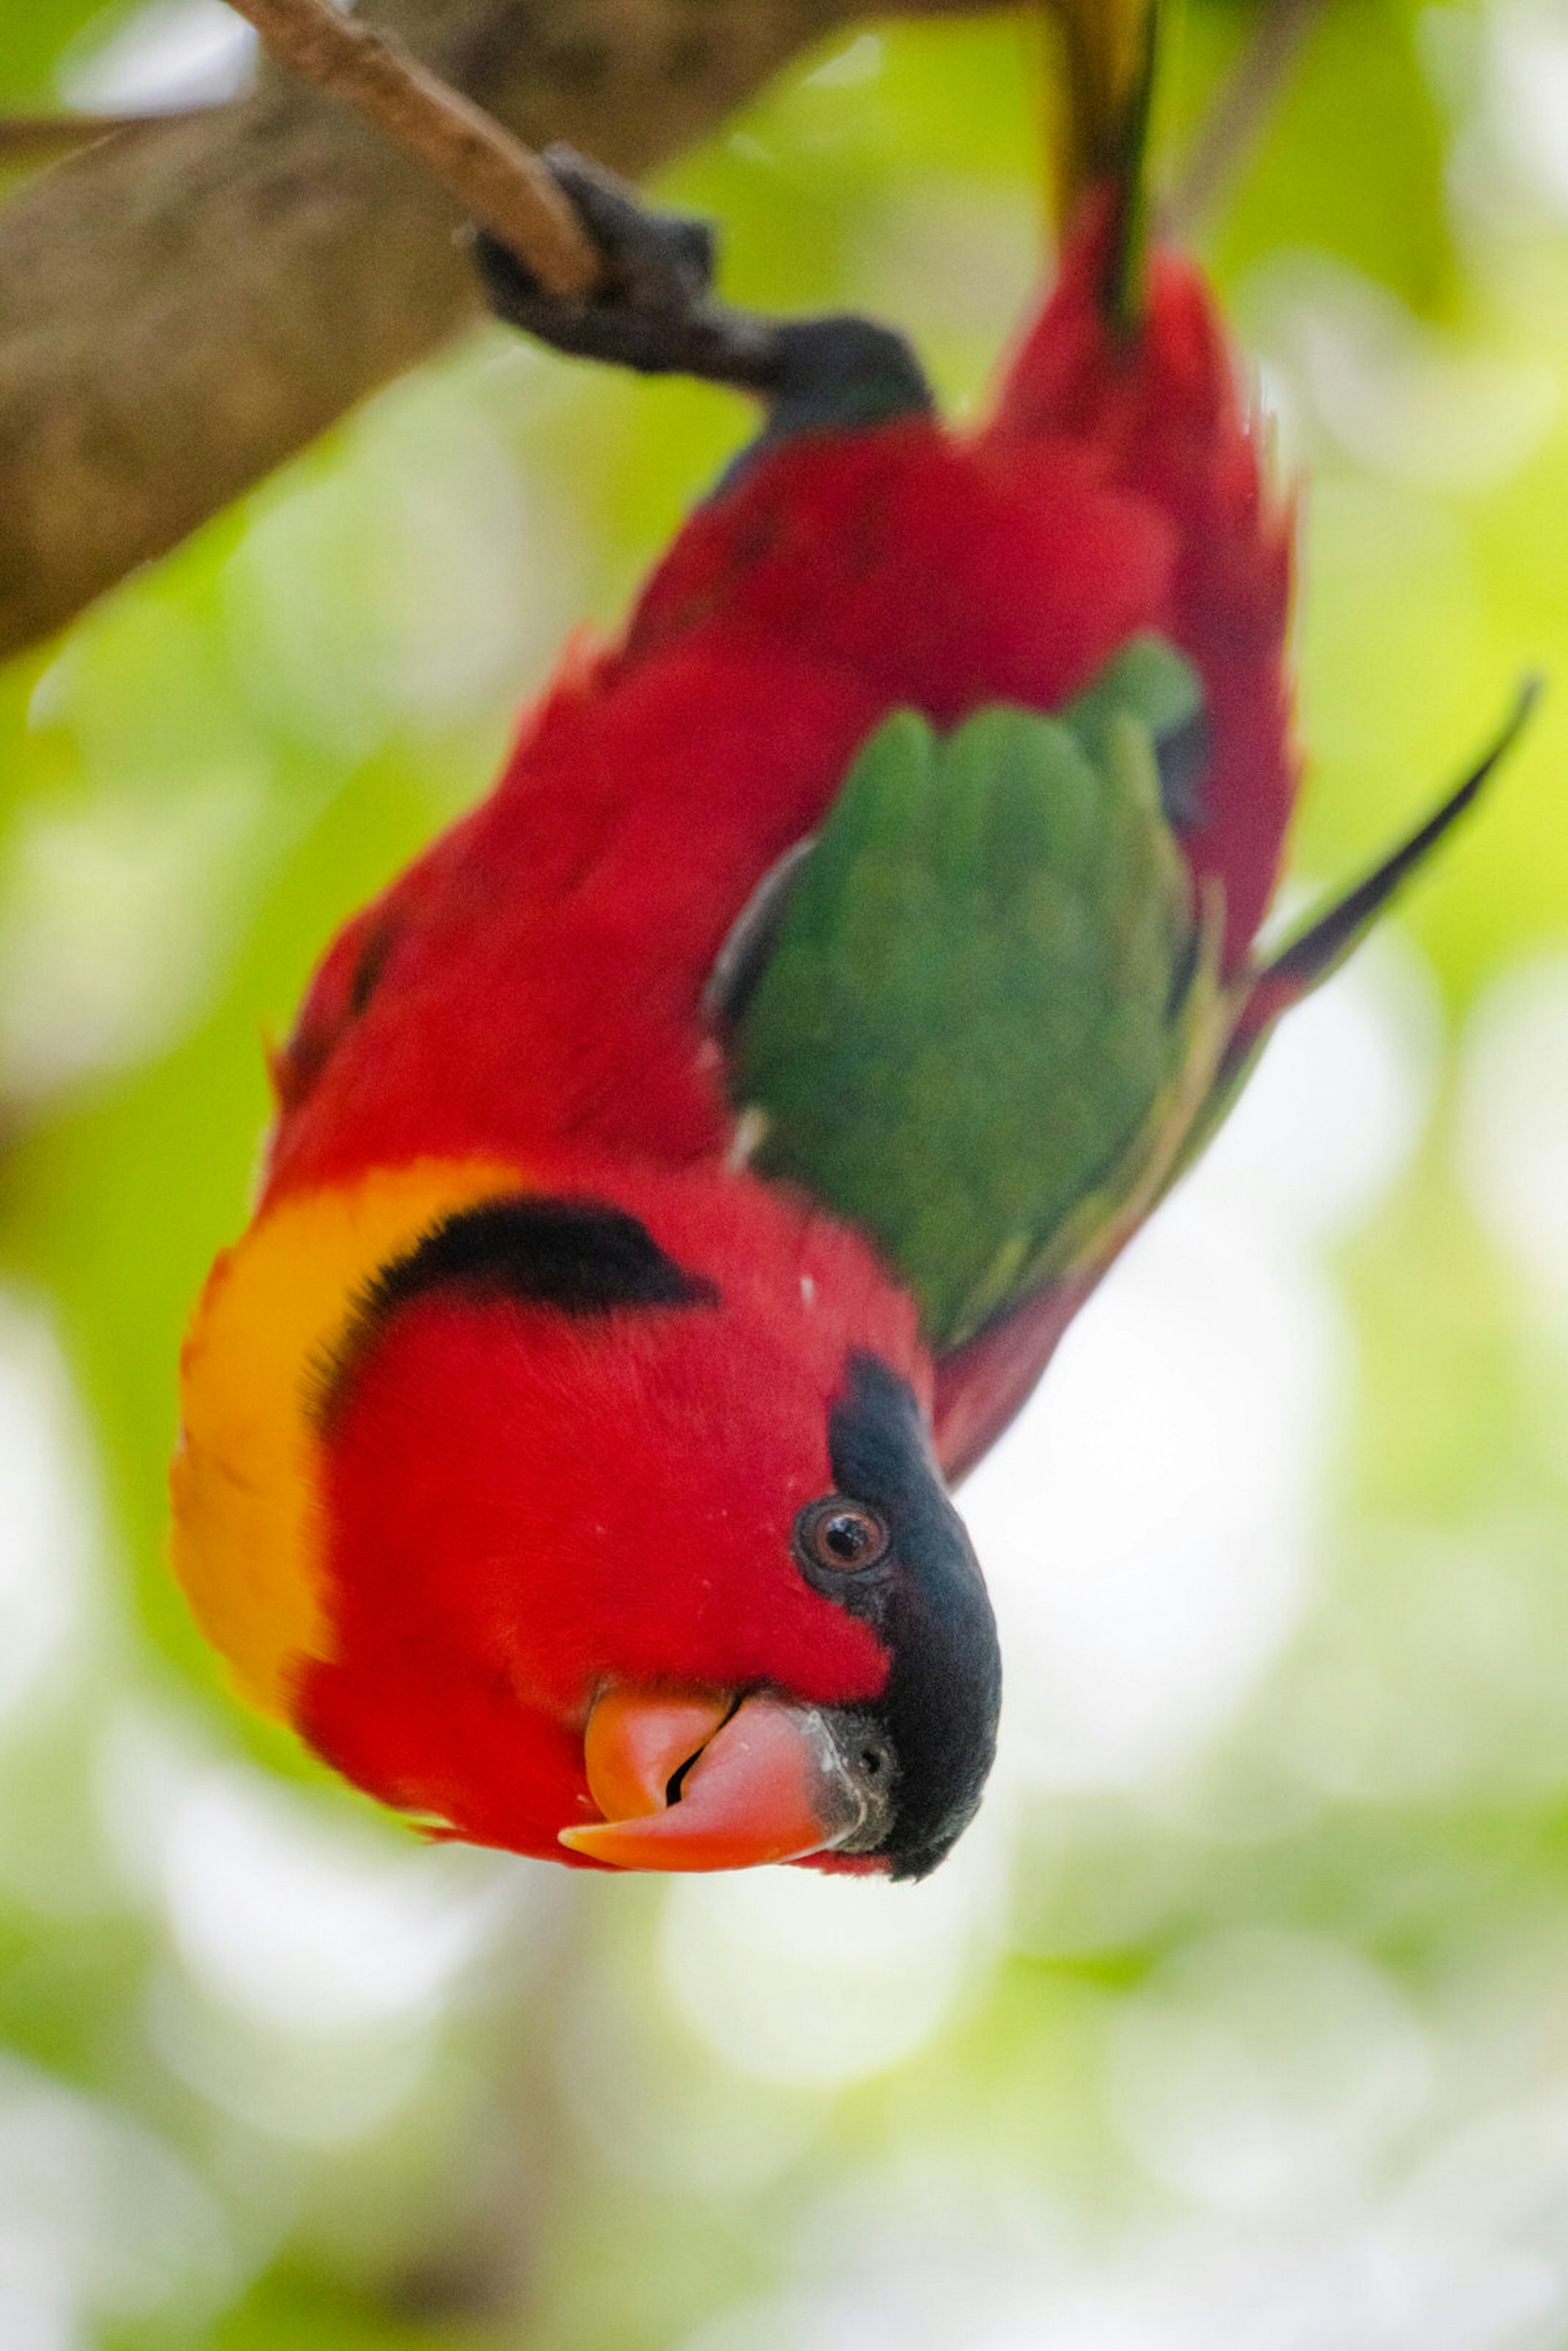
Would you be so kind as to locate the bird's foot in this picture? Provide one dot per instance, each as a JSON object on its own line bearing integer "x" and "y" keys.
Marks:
{"x": 653, "y": 309}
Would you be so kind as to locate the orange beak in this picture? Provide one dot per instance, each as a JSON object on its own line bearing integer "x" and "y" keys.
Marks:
{"x": 763, "y": 1782}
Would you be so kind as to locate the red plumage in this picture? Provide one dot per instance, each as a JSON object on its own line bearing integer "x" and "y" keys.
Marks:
{"x": 1117, "y": 489}
{"x": 676, "y": 1438}
{"x": 514, "y": 1509}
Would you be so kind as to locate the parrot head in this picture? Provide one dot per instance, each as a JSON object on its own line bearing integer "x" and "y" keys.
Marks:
{"x": 624, "y": 1534}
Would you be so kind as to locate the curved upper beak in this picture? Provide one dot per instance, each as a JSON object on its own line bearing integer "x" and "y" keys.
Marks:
{"x": 685, "y": 1782}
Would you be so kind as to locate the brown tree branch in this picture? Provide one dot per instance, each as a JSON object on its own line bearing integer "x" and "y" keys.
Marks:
{"x": 181, "y": 309}
{"x": 492, "y": 175}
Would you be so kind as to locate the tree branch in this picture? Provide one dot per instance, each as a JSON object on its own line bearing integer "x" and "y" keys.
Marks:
{"x": 183, "y": 309}
{"x": 502, "y": 183}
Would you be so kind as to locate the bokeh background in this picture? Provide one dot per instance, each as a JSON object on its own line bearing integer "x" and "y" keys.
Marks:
{"x": 1240, "y": 2020}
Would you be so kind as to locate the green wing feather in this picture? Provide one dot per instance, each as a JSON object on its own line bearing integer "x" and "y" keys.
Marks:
{"x": 982, "y": 1016}
{"x": 986, "y": 990}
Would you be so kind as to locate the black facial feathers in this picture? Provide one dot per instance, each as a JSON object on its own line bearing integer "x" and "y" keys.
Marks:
{"x": 929, "y": 1606}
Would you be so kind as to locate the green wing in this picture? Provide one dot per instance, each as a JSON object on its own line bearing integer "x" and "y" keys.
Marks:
{"x": 985, "y": 990}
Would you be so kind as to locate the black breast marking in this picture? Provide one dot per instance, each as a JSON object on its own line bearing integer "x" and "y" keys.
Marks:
{"x": 579, "y": 1256}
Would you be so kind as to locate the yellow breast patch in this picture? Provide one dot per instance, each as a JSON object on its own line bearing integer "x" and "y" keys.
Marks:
{"x": 246, "y": 1540}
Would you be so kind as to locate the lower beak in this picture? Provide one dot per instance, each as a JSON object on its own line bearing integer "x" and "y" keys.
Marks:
{"x": 765, "y": 1783}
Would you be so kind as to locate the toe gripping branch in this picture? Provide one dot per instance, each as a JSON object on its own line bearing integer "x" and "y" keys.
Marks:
{"x": 653, "y": 309}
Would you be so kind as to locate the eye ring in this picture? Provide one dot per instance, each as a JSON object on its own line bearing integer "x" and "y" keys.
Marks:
{"x": 841, "y": 1537}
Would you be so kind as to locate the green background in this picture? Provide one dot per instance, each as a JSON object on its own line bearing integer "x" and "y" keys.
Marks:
{"x": 1240, "y": 2022}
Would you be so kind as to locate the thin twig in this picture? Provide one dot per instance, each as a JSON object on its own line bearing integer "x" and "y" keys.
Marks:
{"x": 1236, "y": 122}
{"x": 502, "y": 183}
{"x": 24, "y": 136}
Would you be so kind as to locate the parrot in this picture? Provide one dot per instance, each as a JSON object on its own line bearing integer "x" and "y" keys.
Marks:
{"x": 681, "y": 1173}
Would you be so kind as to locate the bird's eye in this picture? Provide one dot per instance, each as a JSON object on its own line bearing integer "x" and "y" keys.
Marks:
{"x": 841, "y": 1536}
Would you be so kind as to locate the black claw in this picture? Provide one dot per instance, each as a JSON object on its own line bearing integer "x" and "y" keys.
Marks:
{"x": 641, "y": 316}
{"x": 654, "y": 310}
{"x": 651, "y": 260}
{"x": 651, "y": 309}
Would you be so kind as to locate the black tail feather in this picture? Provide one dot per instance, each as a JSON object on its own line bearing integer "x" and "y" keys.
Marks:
{"x": 1325, "y": 944}
{"x": 1319, "y": 950}
{"x": 1122, "y": 286}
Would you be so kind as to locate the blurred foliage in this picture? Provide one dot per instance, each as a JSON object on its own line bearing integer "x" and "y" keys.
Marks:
{"x": 1239, "y": 2020}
